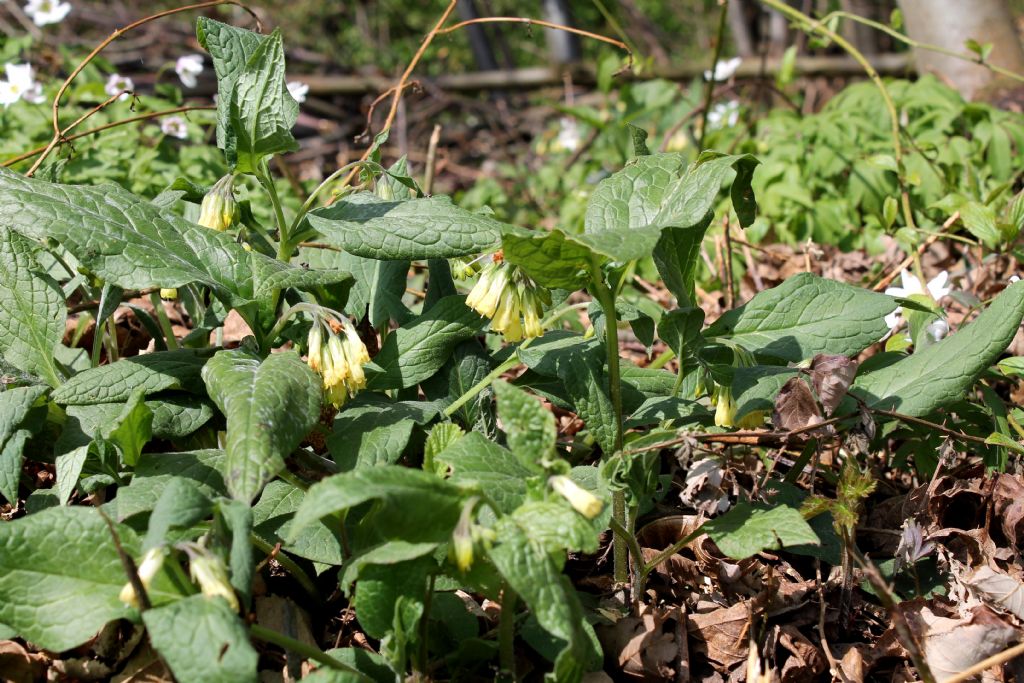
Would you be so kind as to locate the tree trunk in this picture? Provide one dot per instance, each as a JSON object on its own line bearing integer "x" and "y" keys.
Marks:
{"x": 950, "y": 23}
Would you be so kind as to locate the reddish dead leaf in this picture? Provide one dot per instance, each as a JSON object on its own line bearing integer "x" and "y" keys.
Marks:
{"x": 806, "y": 660}
{"x": 954, "y": 644}
{"x": 795, "y": 407}
{"x": 18, "y": 665}
{"x": 832, "y": 376}
{"x": 648, "y": 647}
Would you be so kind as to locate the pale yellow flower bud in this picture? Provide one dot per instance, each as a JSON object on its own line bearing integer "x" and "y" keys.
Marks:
{"x": 219, "y": 208}
{"x": 725, "y": 411}
{"x": 168, "y": 293}
{"x": 211, "y": 574}
{"x": 150, "y": 566}
{"x": 585, "y": 502}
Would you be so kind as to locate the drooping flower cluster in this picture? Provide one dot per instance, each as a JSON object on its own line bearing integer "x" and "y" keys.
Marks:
{"x": 20, "y": 84}
{"x": 513, "y": 302}
{"x": 725, "y": 404}
{"x": 219, "y": 209}
{"x": 340, "y": 360}
{"x": 209, "y": 572}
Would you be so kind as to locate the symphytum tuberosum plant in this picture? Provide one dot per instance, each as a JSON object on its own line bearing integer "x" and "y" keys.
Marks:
{"x": 372, "y": 445}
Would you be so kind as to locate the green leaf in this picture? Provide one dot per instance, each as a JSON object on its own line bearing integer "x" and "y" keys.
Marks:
{"x": 804, "y": 316}
{"x": 231, "y": 48}
{"x": 584, "y": 385}
{"x": 15, "y": 405}
{"x": 202, "y": 640}
{"x": 60, "y": 576}
{"x": 270, "y": 406}
{"x": 747, "y": 530}
{"x": 173, "y": 416}
{"x": 943, "y": 372}
{"x": 369, "y": 435}
{"x": 238, "y": 518}
{"x": 126, "y": 240}
{"x": 262, "y": 112}
{"x": 532, "y": 574}
{"x": 180, "y": 505}
{"x": 32, "y": 309}
{"x": 551, "y": 258}
{"x": 150, "y": 373}
{"x": 378, "y": 289}
{"x": 413, "y": 505}
{"x": 155, "y": 472}
{"x": 681, "y": 330}
{"x": 418, "y": 349}
{"x": 132, "y": 429}
{"x": 980, "y": 221}
{"x": 272, "y": 516}
{"x": 530, "y": 427}
{"x": 380, "y": 587}
{"x": 478, "y": 462}
{"x": 431, "y": 227}
{"x": 68, "y": 469}
{"x": 632, "y": 197}
{"x": 557, "y": 527}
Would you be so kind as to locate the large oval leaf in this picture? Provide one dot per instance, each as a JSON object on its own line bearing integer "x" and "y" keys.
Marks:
{"x": 270, "y": 405}
{"x": 942, "y": 372}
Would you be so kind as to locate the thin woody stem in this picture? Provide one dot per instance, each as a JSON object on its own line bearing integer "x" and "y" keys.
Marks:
{"x": 57, "y": 133}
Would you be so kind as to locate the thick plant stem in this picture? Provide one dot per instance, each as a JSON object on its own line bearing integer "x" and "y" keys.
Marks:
{"x": 165, "y": 322}
{"x": 605, "y": 298}
{"x": 507, "y": 634}
{"x": 301, "y": 648}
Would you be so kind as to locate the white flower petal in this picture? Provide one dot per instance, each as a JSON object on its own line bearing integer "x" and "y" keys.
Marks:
{"x": 298, "y": 90}
{"x": 724, "y": 69}
{"x": 911, "y": 285}
{"x": 937, "y": 286}
{"x": 174, "y": 126}
{"x": 937, "y": 330}
{"x": 34, "y": 95}
{"x": 45, "y": 12}
{"x": 119, "y": 84}
{"x": 9, "y": 93}
{"x": 21, "y": 75}
{"x": 893, "y": 319}
{"x": 188, "y": 68}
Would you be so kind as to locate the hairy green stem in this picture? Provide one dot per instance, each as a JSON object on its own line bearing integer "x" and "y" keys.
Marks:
{"x": 629, "y": 538}
{"x": 165, "y": 322}
{"x": 307, "y": 651}
{"x": 606, "y": 299}
{"x": 288, "y": 564}
{"x": 507, "y": 633}
{"x": 494, "y": 374}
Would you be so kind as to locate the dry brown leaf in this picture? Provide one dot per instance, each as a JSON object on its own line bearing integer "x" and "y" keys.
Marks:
{"x": 832, "y": 376}
{"x": 723, "y": 633}
{"x": 999, "y": 590}
{"x": 18, "y": 665}
{"x": 806, "y": 660}
{"x": 646, "y": 648}
{"x": 954, "y": 644}
{"x": 1008, "y": 507}
{"x": 795, "y": 407}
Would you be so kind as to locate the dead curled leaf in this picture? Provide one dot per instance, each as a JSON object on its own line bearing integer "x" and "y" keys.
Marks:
{"x": 795, "y": 407}
{"x": 832, "y": 376}
{"x": 722, "y": 635}
{"x": 806, "y": 660}
{"x": 952, "y": 645}
{"x": 999, "y": 590}
{"x": 647, "y": 647}
{"x": 1008, "y": 508}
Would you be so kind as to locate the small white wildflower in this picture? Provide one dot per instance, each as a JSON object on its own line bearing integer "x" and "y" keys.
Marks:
{"x": 724, "y": 69}
{"x": 45, "y": 12}
{"x": 724, "y": 114}
{"x": 937, "y": 288}
{"x": 913, "y": 546}
{"x": 119, "y": 84}
{"x": 20, "y": 84}
{"x": 188, "y": 68}
{"x": 298, "y": 90}
{"x": 174, "y": 126}
{"x": 568, "y": 134}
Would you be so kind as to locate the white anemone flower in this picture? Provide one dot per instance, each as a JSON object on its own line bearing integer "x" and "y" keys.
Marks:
{"x": 724, "y": 69}
{"x": 568, "y": 134}
{"x": 20, "y": 84}
{"x": 174, "y": 126}
{"x": 119, "y": 84}
{"x": 937, "y": 288}
{"x": 188, "y": 68}
{"x": 298, "y": 90}
{"x": 45, "y": 12}
{"x": 724, "y": 115}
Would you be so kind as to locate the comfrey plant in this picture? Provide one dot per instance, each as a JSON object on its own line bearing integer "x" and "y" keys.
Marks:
{"x": 362, "y": 435}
